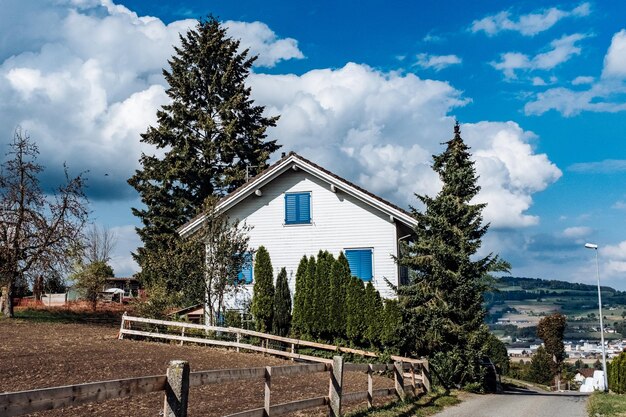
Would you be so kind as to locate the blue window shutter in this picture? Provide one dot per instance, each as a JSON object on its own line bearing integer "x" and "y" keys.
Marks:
{"x": 298, "y": 208}
{"x": 366, "y": 265}
{"x": 360, "y": 261}
{"x": 291, "y": 208}
{"x": 246, "y": 271}
{"x": 304, "y": 208}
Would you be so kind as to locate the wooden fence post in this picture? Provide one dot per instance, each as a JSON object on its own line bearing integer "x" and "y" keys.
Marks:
{"x": 293, "y": 351}
{"x": 370, "y": 386}
{"x": 413, "y": 378}
{"x": 238, "y": 340}
{"x": 336, "y": 382}
{"x": 399, "y": 380}
{"x": 268, "y": 391}
{"x": 426, "y": 376}
{"x": 121, "y": 335}
{"x": 176, "y": 389}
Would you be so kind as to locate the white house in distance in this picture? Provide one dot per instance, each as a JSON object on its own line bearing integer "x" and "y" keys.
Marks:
{"x": 297, "y": 208}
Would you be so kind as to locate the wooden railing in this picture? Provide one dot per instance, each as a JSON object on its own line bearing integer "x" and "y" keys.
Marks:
{"x": 238, "y": 335}
{"x": 178, "y": 380}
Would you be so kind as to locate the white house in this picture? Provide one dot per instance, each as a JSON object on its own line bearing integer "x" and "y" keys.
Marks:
{"x": 297, "y": 208}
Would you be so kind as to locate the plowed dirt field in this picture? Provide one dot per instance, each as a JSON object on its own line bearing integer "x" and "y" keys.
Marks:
{"x": 39, "y": 355}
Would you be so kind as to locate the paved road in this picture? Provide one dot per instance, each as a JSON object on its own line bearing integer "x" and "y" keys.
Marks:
{"x": 520, "y": 403}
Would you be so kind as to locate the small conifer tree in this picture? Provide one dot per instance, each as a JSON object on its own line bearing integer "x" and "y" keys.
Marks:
{"x": 355, "y": 318}
{"x": 300, "y": 296}
{"x": 308, "y": 316}
{"x": 320, "y": 319}
{"x": 339, "y": 279}
{"x": 282, "y": 305}
{"x": 392, "y": 325}
{"x": 262, "y": 307}
{"x": 373, "y": 308}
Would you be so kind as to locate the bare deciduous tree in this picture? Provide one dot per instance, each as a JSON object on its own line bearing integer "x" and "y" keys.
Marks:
{"x": 227, "y": 252}
{"x": 91, "y": 268}
{"x": 36, "y": 229}
{"x": 98, "y": 244}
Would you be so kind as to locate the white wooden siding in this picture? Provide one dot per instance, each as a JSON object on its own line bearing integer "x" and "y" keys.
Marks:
{"x": 338, "y": 222}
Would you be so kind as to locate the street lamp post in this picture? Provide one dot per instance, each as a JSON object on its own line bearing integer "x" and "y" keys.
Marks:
{"x": 595, "y": 247}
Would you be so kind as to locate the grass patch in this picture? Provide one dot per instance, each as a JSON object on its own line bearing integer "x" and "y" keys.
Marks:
{"x": 518, "y": 383}
{"x": 606, "y": 405}
{"x": 426, "y": 405}
{"x": 61, "y": 315}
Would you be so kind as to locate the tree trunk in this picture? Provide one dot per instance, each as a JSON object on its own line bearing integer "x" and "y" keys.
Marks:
{"x": 7, "y": 293}
{"x": 38, "y": 288}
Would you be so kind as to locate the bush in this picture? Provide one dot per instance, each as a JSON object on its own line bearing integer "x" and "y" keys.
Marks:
{"x": 540, "y": 370}
{"x": 232, "y": 318}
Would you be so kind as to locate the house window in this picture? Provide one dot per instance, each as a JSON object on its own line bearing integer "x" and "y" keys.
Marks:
{"x": 245, "y": 275}
{"x": 298, "y": 208}
{"x": 360, "y": 261}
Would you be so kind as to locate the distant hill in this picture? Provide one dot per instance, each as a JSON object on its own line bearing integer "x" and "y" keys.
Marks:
{"x": 547, "y": 284}
{"x": 516, "y": 304}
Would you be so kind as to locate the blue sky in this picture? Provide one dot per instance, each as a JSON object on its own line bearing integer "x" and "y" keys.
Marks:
{"x": 367, "y": 89}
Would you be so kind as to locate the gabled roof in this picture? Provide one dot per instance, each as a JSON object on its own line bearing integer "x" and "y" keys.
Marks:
{"x": 297, "y": 162}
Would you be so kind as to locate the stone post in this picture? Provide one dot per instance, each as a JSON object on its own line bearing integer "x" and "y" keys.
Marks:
{"x": 268, "y": 391}
{"x": 336, "y": 382}
{"x": 399, "y": 380}
{"x": 176, "y": 389}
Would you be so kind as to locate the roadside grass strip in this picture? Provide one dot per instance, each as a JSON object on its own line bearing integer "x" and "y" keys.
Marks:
{"x": 426, "y": 405}
{"x": 606, "y": 405}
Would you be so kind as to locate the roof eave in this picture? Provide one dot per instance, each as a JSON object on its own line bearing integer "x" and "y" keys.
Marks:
{"x": 277, "y": 170}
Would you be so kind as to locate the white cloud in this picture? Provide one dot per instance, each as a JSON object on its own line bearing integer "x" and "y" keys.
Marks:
{"x": 539, "y": 82}
{"x": 510, "y": 171}
{"x": 260, "y": 39}
{"x": 561, "y": 50}
{"x": 607, "y": 166}
{"x": 528, "y": 24}
{"x": 619, "y": 205}
{"x": 607, "y": 94}
{"x": 613, "y": 259}
{"x": 581, "y": 80}
{"x": 615, "y": 58}
{"x": 601, "y": 97}
{"x": 437, "y": 62}
{"x": 126, "y": 241}
{"x": 81, "y": 82}
{"x": 577, "y": 232}
{"x": 380, "y": 130}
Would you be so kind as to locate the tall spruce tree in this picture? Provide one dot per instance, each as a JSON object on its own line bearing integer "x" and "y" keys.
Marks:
{"x": 209, "y": 135}
{"x": 443, "y": 312}
{"x": 262, "y": 306}
{"x": 282, "y": 305}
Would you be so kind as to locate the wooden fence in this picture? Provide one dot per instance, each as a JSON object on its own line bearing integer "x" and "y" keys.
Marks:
{"x": 178, "y": 380}
{"x": 162, "y": 329}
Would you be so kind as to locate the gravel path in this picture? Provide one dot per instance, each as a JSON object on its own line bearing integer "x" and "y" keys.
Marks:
{"x": 520, "y": 403}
